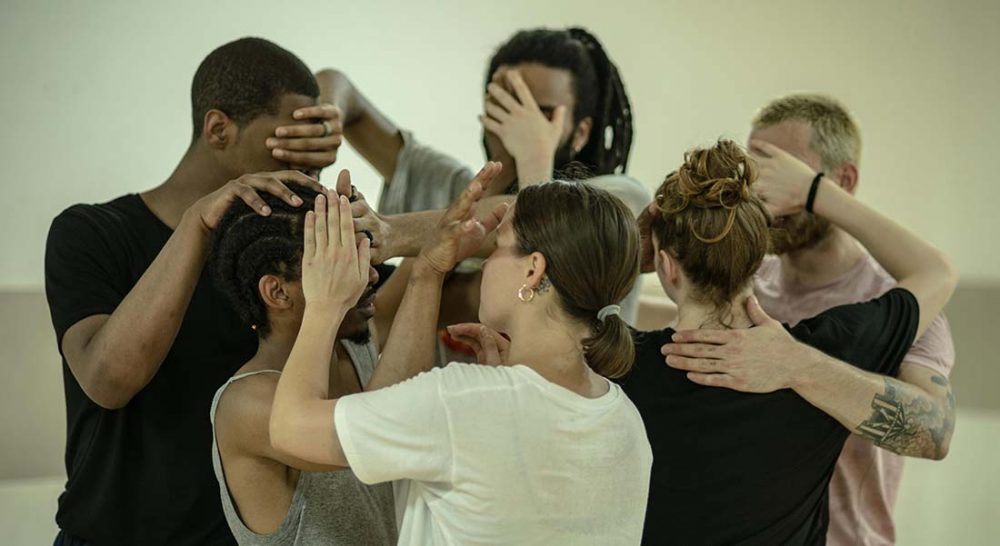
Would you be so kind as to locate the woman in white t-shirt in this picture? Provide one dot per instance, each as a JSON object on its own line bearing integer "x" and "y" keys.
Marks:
{"x": 539, "y": 448}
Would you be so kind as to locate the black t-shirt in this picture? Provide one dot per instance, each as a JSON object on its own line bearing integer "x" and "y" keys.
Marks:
{"x": 141, "y": 474}
{"x": 738, "y": 468}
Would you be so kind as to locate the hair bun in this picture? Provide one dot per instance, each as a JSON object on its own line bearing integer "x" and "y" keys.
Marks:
{"x": 716, "y": 177}
{"x": 719, "y": 176}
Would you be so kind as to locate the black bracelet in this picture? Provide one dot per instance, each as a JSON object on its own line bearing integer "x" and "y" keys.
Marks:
{"x": 812, "y": 192}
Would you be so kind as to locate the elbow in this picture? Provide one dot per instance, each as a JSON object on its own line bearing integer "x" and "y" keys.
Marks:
{"x": 109, "y": 387}
{"x": 949, "y": 273}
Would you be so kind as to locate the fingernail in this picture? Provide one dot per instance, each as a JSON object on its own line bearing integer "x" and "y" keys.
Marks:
{"x": 296, "y": 200}
{"x": 278, "y": 153}
{"x": 271, "y": 142}
{"x": 280, "y": 132}
{"x": 265, "y": 210}
{"x": 296, "y": 114}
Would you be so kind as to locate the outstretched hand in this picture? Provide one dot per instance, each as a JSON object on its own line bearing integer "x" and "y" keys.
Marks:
{"x": 459, "y": 234}
{"x": 334, "y": 262}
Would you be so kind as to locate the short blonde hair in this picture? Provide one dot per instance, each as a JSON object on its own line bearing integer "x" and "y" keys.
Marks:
{"x": 835, "y": 136}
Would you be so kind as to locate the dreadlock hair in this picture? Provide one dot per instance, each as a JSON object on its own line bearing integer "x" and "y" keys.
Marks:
{"x": 247, "y": 78}
{"x": 597, "y": 86}
{"x": 246, "y": 246}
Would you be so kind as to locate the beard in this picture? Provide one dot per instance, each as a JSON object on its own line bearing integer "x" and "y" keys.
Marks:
{"x": 355, "y": 326}
{"x": 798, "y": 231}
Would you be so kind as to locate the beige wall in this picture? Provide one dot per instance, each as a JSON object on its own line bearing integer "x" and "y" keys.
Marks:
{"x": 94, "y": 99}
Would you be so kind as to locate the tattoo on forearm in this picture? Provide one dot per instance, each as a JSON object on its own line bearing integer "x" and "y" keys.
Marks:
{"x": 908, "y": 421}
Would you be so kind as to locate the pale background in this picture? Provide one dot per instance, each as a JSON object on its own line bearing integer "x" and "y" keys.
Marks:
{"x": 95, "y": 98}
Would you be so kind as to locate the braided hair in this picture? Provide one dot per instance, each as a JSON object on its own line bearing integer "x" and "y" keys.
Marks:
{"x": 246, "y": 246}
{"x": 597, "y": 86}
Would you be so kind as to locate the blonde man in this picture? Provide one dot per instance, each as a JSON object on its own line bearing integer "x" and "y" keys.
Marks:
{"x": 817, "y": 266}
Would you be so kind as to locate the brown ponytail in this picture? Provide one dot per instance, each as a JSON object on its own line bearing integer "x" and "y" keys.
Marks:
{"x": 712, "y": 223}
{"x": 591, "y": 247}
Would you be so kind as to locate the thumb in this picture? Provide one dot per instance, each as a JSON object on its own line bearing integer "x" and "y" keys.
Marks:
{"x": 492, "y": 352}
{"x": 344, "y": 183}
{"x": 756, "y": 313}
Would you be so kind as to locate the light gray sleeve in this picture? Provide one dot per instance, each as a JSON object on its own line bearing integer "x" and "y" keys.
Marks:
{"x": 636, "y": 197}
{"x": 425, "y": 179}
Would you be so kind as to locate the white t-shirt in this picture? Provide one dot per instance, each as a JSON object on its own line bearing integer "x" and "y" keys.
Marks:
{"x": 499, "y": 455}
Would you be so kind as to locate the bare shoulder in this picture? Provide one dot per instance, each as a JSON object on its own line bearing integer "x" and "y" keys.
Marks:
{"x": 244, "y": 411}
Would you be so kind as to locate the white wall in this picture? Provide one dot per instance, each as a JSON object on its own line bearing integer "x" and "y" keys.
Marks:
{"x": 94, "y": 94}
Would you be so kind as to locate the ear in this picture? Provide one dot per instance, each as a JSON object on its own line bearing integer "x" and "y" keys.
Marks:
{"x": 273, "y": 293}
{"x": 847, "y": 176}
{"x": 536, "y": 269}
{"x": 667, "y": 268}
{"x": 218, "y": 129}
{"x": 581, "y": 133}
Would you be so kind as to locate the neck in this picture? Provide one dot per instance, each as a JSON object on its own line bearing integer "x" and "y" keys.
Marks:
{"x": 823, "y": 262}
{"x": 696, "y": 315}
{"x": 551, "y": 348}
{"x": 273, "y": 351}
{"x": 197, "y": 174}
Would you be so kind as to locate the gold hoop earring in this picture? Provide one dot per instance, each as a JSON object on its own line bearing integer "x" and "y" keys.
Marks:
{"x": 525, "y": 293}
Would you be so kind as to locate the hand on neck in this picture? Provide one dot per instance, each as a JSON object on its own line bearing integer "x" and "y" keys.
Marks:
{"x": 824, "y": 262}
{"x": 696, "y": 315}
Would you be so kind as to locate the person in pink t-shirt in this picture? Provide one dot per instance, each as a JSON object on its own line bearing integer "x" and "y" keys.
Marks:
{"x": 815, "y": 267}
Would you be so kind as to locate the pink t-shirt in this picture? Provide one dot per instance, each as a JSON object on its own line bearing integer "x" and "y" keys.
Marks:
{"x": 865, "y": 482}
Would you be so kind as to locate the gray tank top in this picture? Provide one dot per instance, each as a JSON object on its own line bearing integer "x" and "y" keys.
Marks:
{"x": 329, "y": 508}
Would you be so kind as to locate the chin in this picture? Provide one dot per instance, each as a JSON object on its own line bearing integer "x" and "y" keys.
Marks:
{"x": 355, "y": 328}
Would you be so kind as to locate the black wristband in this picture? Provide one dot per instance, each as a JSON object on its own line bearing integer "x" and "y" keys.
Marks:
{"x": 812, "y": 192}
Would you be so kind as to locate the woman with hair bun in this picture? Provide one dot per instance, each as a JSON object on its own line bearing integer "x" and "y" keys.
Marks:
{"x": 753, "y": 467}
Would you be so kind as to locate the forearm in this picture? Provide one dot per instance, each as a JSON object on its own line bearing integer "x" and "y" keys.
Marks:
{"x": 409, "y": 231}
{"x": 127, "y": 350}
{"x": 369, "y": 131}
{"x": 892, "y": 414}
{"x": 412, "y": 339}
{"x": 913, "y": 262}
{"x": 301, "y": 416}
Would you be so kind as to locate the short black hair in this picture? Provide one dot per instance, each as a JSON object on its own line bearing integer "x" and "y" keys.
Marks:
{"x": 597, "y": 87}
{"x": 247, "y": 78}
{"x": 246, "y": 246}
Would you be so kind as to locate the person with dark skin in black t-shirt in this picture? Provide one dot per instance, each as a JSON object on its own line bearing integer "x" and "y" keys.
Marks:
{"x": 145, "y": 338}
{"x": 753, "y": 467}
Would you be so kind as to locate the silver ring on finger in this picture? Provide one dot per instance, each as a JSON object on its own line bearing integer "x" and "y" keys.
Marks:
{"x": 327, "y": 128}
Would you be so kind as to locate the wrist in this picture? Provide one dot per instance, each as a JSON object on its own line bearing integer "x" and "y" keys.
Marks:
{"x": 534, "y": 168}
{"x": 192, "y": 224}
{"x": 803, "y": 369}
{"x": 424, "y": 271}
{"x": 325, "y": 314}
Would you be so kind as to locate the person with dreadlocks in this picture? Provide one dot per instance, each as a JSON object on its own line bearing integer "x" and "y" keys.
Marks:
{"x": 554, "y": 101}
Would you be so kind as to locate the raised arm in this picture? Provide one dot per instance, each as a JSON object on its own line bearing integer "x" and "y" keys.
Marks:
{"x": 114, "y": 356}
{"x": 367, "y": 129}
{"x": 916, "y": 264}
